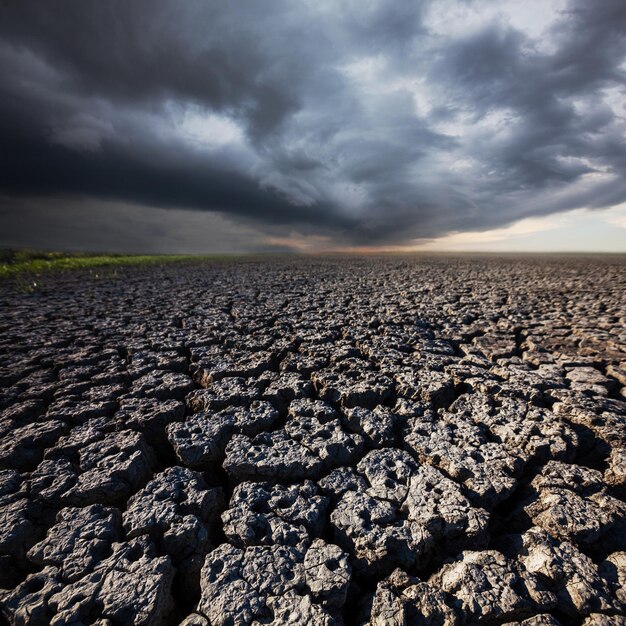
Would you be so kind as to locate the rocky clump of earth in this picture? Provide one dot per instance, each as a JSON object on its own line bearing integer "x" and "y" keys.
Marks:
{"x": 349, "y": 442}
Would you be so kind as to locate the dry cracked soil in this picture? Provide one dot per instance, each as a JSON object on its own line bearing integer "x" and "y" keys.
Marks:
{"x": 384, "y": 441}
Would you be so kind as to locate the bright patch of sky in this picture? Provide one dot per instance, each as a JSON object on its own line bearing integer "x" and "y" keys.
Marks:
{"x": 581, "y": 230}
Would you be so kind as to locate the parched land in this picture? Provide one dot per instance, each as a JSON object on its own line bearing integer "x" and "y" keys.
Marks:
{"x": 384, "y": 441}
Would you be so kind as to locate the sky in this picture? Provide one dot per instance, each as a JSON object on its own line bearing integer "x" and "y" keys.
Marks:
{"x": 312, "y": 126}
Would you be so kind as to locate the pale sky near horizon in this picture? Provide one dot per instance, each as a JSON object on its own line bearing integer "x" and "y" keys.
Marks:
{"x": 462, "y": 125}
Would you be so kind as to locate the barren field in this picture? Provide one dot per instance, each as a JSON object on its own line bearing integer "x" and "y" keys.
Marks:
{"x": 384, "y": 441}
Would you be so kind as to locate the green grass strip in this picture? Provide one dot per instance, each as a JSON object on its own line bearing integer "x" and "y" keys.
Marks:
{"x": 26, "y": 262}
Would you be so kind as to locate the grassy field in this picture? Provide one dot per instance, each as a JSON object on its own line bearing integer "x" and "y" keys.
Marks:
{"x": 24, "y": 262}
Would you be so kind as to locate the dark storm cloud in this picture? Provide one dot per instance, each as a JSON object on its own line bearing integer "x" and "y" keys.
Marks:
{"x": 369, "y": 123}
{"x": 492, "y": 69}
{"x": 149, "y": 172}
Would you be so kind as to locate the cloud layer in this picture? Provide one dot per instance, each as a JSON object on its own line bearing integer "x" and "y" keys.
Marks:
{"x": 362, "y": 123}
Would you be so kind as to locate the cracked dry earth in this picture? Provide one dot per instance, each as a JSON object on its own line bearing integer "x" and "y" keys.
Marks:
{"x": 381, "y": 441}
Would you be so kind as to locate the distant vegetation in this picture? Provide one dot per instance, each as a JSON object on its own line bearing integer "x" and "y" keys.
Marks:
{"x": 20, "y": 262}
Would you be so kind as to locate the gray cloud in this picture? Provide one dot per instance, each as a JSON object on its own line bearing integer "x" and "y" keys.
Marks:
{"x": 122, "y": 228}
{"x": 366, "y": 124}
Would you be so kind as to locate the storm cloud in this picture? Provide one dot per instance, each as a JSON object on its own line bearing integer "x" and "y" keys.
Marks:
{"x": 359, "y": 123}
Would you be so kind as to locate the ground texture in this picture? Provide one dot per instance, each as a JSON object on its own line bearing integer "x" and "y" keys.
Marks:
{"x": 430, "y": 441}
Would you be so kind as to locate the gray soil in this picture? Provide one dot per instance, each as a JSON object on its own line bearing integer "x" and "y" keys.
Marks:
{"x": 384, "y": 441}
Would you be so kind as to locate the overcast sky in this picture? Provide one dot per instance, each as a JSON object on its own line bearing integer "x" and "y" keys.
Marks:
{"x": 172, "y": 126}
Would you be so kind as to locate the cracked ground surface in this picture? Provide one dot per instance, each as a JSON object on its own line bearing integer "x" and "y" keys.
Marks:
{"x": 377, "y": 441}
